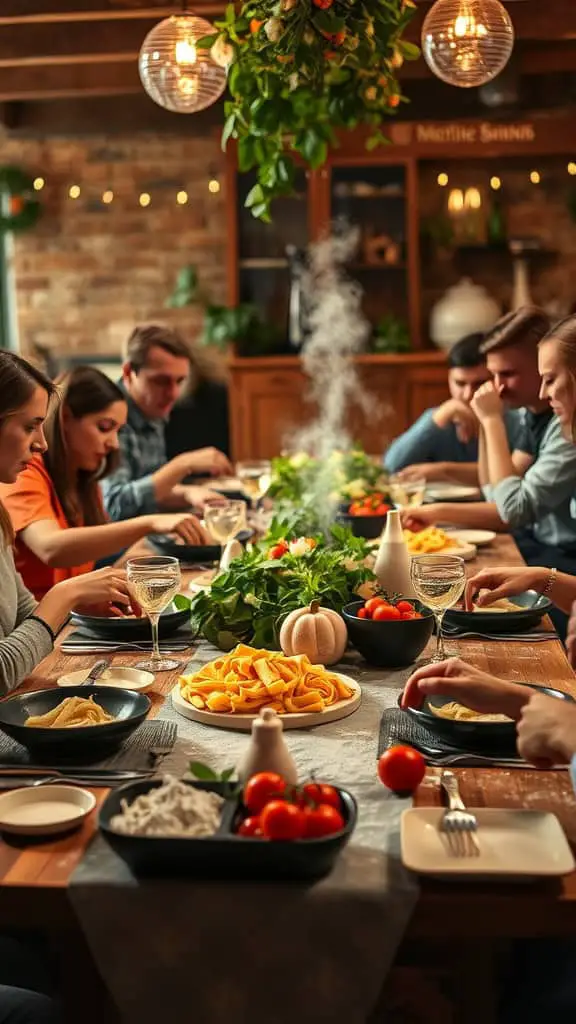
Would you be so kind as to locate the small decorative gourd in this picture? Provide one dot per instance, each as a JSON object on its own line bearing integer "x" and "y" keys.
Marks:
{"x": 320, "y": 633}
{"x": 267, "y": 750}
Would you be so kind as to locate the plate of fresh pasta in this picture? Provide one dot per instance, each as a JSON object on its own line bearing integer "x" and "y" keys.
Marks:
{"x": 230, "y": 691}
{"x": 516, "y": 614}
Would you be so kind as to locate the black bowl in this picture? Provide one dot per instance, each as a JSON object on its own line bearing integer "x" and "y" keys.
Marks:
{"x": 224, "y": 855}
{"x": 532, "y": 610}
{"x": 369, "y": 527}
{"x": 392, "y": 644}
{"x": 193, "y": 554}
{"x": 476, "y": 736}
{"x": 112, "y": 628}
{"x": 129, "y": 709}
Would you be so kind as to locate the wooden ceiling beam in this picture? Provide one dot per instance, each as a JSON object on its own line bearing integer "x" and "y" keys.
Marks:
{"x": 533, "y": 19}
{"x": 33, "y": 83}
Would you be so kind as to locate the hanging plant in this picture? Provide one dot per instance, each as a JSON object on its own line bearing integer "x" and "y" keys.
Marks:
{"x": 19, "y": 209}
{"x": 298, "y": 70}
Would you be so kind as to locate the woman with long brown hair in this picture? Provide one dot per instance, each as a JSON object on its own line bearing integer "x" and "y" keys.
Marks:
{"x": 54, "y": 504}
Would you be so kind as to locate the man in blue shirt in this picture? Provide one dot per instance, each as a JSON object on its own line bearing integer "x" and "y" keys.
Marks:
{"x": 443, "y": 443}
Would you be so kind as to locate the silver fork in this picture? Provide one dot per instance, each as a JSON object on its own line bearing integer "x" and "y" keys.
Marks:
{"x": 458, "y": 823}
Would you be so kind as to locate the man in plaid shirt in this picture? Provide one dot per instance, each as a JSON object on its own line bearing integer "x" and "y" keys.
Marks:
{"x": 157, "y": 366}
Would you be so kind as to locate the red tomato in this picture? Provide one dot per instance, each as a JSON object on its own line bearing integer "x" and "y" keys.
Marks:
{"x": 405, "y": 606}
{"x": 362, "y": 613}
{"x": 356, "y": 509}
{"x": 319, "y": 793}
{"x": 386, "y": 613}
{"x": 381, "y": 509}
{"x": 281, "y": 820}
{"x": 278, "y": 550}
{"x": 407, "y": 615}
{"x": 250, "y": 827}
{"x": 373, "y": 603}
{"x": 418, "y": 615}
{"x": 323, "y": 4}
{"x": 401, "y": 769}
{"x": 322, "y": 821}
{"x": 262, "y": 788}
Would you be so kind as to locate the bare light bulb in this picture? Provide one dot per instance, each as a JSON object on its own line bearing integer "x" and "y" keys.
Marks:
{"x": 467, "y": 42}
{"x": 177, "y": 74}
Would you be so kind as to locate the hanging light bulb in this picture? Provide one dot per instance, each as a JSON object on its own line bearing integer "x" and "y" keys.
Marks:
{"x": 174, "y": 72}
{"x": 467, "y": 42}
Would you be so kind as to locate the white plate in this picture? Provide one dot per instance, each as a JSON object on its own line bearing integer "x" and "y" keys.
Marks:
{"x": 294, "y": 720}
{"x": 117, "y": 675}
{"x": 450, "y": 492}
{"x": 513, "y": 844}
{"x": 477, "y": 537}
{"x": 44, "y": 810}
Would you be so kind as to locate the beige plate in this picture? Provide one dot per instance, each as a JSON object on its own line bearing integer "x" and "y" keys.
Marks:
{"x": 465, "y": 551}
{"x": 44, "y": 810}
{"x": 117, "y": 675}
{"x": 518, "y": 844}
{"x": 479, "y": 538}
{"x": 297, "y": 720}
{"x": 450, "y": 492}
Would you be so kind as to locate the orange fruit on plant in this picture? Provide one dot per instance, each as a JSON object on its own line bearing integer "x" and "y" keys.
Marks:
{"x": 255, "y": 25}
{"x": 394, "y": 100}
{"x": 15, "y": 205}
{"x": 323, "y": 5}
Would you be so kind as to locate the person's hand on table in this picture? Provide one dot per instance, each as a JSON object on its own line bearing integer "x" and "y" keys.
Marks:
{"x": 421, "y": 471}
{"x": 466, "y": 684}
{"x": 184, "y": 525}
{"x": 105, "y": 589}
{"x": 419, "y": 518}
{"x": 487, "y": 403}
{"x": 210, "y": 461}
{"x": 198, "y": 496}
{"x": 547, "y": 731}
{"x": 461, "y": 415}
{"x": 505, "y": 582}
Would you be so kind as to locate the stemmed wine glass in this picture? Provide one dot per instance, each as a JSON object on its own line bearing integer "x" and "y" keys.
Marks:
{"x": 255, "y": 477}
{"x": 154, "y": 582}
{"x": 438, "y": 582}
{"x": 406, "y": 493}
{"x": 224, "y": 521}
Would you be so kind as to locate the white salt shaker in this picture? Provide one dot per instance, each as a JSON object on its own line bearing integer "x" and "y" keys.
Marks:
{"x": 267, "y": 750}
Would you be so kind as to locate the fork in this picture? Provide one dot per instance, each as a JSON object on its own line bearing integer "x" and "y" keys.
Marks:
{"x": 524, "y": 637}
{"x": 458, "y": 823}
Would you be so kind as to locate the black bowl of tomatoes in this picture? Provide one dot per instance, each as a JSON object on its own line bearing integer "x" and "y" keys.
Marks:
{"x": 388, "y": 633}
{"x": 366, "y": 517}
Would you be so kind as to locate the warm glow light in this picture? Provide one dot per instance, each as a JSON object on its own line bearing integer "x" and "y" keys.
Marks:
{"x": 107, "y": 196}
{"x": 472, "y": 199}
{"x": 38, "y": 184}
{"x": 456, "y": 201}
{"x": 442, "y": 180}
{"x": 214, "y": 186}
{"x": 74, "y": 191}
{"x": 571, "y": 167}
{"x": 185, "y": 51}
{"x": 495, "y": 183}
{"x": 177, "y": 74}
{"x": 182, "y": 198}
{"x": 535, "y": 177}
{"x": 467, "y": 42}
{"x": 144, "y": 199}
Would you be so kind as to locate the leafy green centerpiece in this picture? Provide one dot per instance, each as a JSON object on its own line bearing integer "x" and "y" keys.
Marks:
{"x": 344, "y": 476}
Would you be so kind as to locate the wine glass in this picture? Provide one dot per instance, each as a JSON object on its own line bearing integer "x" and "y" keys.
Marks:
{"x": 255, "y": 477}
{"x": 154, "y": 582}
{"x": 438, "y": 582}
{"x": 406, "y": 493}
{"x": 224, "y": 521}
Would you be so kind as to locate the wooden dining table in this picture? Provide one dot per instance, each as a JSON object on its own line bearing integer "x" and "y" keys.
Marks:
{"x": 34, "y": 877}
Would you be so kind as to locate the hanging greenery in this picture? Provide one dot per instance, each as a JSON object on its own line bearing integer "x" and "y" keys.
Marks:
{"x": 298, "y": 70}
{"x": 19, "y": 207}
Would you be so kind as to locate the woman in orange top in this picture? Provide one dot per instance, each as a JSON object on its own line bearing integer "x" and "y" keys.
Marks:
{"x": 55, "y": 505}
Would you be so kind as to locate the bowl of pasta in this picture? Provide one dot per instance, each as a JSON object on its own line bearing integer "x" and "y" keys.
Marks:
{"x": 516, "y": 614}
{"x": 86, "y": 721}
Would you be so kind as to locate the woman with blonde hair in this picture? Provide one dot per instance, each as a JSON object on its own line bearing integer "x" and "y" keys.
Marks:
{"x": 54, "y": 501}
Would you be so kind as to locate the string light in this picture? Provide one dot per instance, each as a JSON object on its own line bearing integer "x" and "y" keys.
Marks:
{"x": 456, "y": 201}
{"x": 472, "y": 199}
{"x": 535, "y": 177}
{"x": 74, "y": 191}
{"x": 144, "y": 199}
{"x": 38, "y": 184}
{"x": 442, "y": 179}
{"x": 107, "y": 196}
{"x": 571, "y": 167}
{"x": 495, "y": 183}
{"x": 213, "y": 186}
{"x": 182, "y": 198}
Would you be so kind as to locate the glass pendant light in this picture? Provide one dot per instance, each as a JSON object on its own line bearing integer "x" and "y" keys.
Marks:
{"x": 467, "y": 42}
{"x": 175, "y": 73}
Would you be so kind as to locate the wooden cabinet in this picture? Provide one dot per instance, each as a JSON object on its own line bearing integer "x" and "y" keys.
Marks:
{"x": 268, "y": 399}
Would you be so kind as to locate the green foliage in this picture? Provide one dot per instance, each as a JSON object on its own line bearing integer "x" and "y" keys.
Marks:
{"x": 306, "y": 482}
{"x": 391, "y": 335}
{"x": 299, "y": 71}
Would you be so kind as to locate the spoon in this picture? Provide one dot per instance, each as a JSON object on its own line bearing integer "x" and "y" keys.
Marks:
{"x": 96, "y": 671}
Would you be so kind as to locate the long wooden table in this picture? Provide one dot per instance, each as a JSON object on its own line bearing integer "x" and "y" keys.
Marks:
{"x": 34, "y": 878}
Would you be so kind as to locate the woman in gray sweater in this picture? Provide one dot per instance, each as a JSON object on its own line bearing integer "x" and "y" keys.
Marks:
{"x": 27, "y": 629}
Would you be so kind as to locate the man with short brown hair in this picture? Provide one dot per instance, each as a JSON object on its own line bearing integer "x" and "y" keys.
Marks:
{"x": 155, "y": 370}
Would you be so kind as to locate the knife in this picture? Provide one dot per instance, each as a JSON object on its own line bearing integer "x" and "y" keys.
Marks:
{"x": 96, "y": 671}
{"x": 35, "y": 771}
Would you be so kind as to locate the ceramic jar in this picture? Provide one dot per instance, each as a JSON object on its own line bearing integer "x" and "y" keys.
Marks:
{"x": 464, "y": 309}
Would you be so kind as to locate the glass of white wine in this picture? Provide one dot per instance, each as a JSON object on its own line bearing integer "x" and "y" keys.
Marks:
{"x": 224, "y": 521}
{"x": 438, "y": 582}
{"x": 406, "y": 493}
{"x": 154, "y": 582}
{"x": 255, "y": 477}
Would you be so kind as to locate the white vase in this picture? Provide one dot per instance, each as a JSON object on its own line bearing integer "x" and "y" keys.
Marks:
{"x": 392, "y": 566}
{"x": 464, "y": 309}
{"x": 267, "y": 750}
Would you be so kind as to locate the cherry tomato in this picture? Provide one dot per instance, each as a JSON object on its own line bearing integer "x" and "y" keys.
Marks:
{"x": 381, "y": 510}
{"x": 386, "y": 613}
{"x": 405, "y": 606}
{"x": 401, "y": 769}
{"x": 278, "y": 550}
{"x": 355, "y": 509}
{"x": 323, "y": 4}
{"x": 281, "y": 820}
{"x": 322, "y": 821}
{"x": 262, "y": 788}
{"x": 373, "y": 603}
{"x": 319, "y": 793}
{"x": 362, "y": 613}
{"x": 418, "y": 615}
{"x": 250, "y": 827}
{"x": 407, "y": 615}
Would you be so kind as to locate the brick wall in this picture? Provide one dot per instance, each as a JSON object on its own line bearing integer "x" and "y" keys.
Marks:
{"x": 88, "y": 271}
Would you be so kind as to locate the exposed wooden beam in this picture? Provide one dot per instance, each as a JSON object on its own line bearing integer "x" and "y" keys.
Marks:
{"x": 26, "y": 83}
{"x": 533, "y": 19}
{"x": 77, "y": 16}
{"x": 531, "y": 59}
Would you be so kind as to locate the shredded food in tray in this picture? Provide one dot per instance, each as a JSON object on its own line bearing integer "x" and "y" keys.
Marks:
{"x": 72, "y": 712}
{"x": 247, "y": 679}
{"x": 173, "y": 809}
{"x": 501, "y": 605}
{"x": 460, "y": 713}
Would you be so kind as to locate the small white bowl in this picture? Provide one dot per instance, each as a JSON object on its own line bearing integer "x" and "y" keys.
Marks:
{"x": 44, "y": 810}
{"x": 117, "y": 675}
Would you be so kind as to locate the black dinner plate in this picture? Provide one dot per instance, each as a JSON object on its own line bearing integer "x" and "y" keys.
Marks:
{"x": 112, "y": 628}
{"x": 191, "y": 553}
{"x": 532, "y": 610}
{"x": 129, "y": 710}
{"x": 475, "y": 735}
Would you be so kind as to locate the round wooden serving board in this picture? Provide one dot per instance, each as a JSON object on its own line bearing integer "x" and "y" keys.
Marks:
{"x": 293, "y": 720}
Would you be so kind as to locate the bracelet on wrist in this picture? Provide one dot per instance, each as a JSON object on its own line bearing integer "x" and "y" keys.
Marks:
{"x": 551, "y": 580}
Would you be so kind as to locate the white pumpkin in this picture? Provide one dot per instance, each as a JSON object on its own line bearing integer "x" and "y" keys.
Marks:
{"x": 316, "y": 632}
